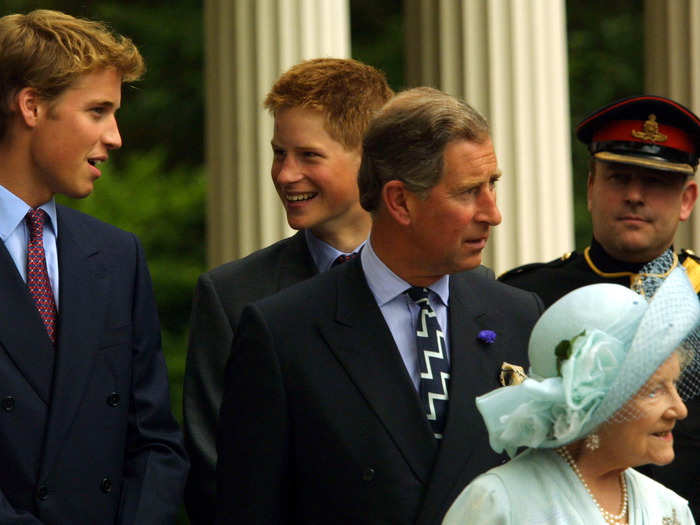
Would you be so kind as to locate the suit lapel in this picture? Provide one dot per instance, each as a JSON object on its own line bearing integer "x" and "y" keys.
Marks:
{"x": 22, "y": 332}
{"x": 362, "y": 342}
{"x": 83, "y": 294}
{"x": 473, "y": 372}
{"x": 296, "y": 263}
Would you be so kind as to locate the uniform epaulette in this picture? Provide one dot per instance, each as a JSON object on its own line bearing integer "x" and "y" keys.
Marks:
{"x": 686, "y": 252}
{"x": 691, "y": 263}
{"x": 519, "y": 270}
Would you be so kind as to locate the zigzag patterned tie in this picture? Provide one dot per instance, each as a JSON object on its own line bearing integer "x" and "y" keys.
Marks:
{"x": 433, "y": 363}
{"x": 37, "y": 275}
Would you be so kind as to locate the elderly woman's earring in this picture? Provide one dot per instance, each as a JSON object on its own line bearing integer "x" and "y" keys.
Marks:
{"x": 592, "y": 441}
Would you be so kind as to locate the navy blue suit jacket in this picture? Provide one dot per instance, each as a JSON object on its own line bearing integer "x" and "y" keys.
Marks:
{"x": 86, "y": 430}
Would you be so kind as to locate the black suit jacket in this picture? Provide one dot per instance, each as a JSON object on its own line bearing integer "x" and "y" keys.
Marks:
{"x": 320, "y": 422}
{"x": 86, "y": 429}
{"x": 219, "y": 298}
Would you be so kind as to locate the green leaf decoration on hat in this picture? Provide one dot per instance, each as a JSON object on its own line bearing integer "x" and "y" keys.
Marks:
{"x": 564, "y": 348}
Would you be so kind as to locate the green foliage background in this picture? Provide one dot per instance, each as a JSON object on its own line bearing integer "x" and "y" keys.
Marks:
{"x": 155, "y": 185}
{"x": 606, "y": 63}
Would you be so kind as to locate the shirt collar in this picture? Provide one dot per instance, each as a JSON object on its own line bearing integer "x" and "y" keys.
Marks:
{"x": 323, "y": 253}
{"x": 386, "y": 285}
{"x": 13, "y": 210}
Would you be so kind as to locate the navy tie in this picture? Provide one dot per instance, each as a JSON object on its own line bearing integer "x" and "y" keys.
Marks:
{"x": 432, "y": 360}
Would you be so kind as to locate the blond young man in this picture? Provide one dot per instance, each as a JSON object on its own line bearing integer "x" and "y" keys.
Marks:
{"x": 87, "y": 431}
{"x": 321, "y": 109}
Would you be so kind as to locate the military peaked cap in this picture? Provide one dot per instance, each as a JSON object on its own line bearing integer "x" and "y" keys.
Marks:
{"x": 649, "y": 131}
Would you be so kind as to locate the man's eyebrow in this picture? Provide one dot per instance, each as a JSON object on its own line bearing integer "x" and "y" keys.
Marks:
{"x": 302, "y": 147}
{"x": 103, "y": 103}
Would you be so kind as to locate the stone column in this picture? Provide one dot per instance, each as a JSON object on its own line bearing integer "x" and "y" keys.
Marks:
{"x": 672, "y": 60}
{"x": 249, "y": 43}
{"x": 507, "y": 58}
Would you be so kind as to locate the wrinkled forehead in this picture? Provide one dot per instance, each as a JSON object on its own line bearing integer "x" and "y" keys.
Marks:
{"x": 680, "y": 369}
{"x": 670, "y": 370}
{"x": 660, "y": 387}
{"x": 642, "y": 173}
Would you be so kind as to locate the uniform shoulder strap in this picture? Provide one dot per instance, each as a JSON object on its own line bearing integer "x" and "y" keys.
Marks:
{"x": 691, "y": 263}
{"x": 525, "y": 268}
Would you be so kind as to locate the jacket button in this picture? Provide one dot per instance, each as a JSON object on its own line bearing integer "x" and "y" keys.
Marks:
{"x": 368, "y": 474}
{"x": 113, "y": 399}
{"x": 42, "y": 492}
{"x": 8, "y": 403}
{"x": 106, "y": 485}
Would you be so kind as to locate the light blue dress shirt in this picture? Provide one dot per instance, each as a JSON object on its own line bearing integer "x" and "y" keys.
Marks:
{"x": 323, "y": 253}
{"x": 399, "y": 310}
{"x": 15, "y": 234}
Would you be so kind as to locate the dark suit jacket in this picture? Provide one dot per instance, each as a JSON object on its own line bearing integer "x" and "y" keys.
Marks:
{"x": 320, "y": 422}
{"x": 219, "y": 298}
{"x": 86, "y": 431}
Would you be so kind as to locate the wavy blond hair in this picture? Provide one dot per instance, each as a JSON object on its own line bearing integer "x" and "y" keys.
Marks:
{"x": 49, "y": 50}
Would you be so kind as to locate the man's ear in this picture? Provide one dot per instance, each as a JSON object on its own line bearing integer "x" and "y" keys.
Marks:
{"x": 395, "y": 197}
{"x": 28, "y": 104}
{"x": 589, "y": 188}
{"x": 688, "y": 198}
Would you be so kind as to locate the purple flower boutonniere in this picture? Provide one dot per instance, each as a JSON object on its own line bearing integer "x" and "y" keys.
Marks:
{"x": 486, "y": 336}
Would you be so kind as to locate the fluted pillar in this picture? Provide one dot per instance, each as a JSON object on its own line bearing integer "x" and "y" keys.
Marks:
{"x": 672, "y": 60}
{"x": 507, "y": 58}
{"x": 249, "y": 43}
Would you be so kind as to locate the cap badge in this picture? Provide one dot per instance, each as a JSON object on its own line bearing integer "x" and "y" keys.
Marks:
{"x": 650, "y": 131}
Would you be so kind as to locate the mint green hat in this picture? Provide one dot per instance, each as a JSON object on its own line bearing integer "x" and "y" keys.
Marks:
{"x": 590, "y": 352}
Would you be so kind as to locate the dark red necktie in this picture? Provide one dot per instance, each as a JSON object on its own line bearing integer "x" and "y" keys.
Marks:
{"x": 37, "y": 275}
{"x": 343, "y": 258}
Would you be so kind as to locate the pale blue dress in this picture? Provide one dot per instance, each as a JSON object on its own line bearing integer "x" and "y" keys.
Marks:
{"x": 538, "y": 487}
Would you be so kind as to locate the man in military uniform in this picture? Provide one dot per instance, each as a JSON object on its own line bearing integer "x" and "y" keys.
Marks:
{"x": 644, "y": 152}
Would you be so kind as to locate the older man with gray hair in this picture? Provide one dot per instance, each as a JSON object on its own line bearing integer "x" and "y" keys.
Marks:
{"x": 350, "y": 398}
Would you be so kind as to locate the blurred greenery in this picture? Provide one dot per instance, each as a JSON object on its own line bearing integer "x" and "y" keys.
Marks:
{"x": 606, "y": 63}
{"x": 377, "y": 35}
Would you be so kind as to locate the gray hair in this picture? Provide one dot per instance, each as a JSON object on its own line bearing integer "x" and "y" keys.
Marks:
{"x": 406, "y": 141}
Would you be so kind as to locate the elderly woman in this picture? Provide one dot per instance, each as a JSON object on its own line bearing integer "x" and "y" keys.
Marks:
{"x": 603, "y": 396}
